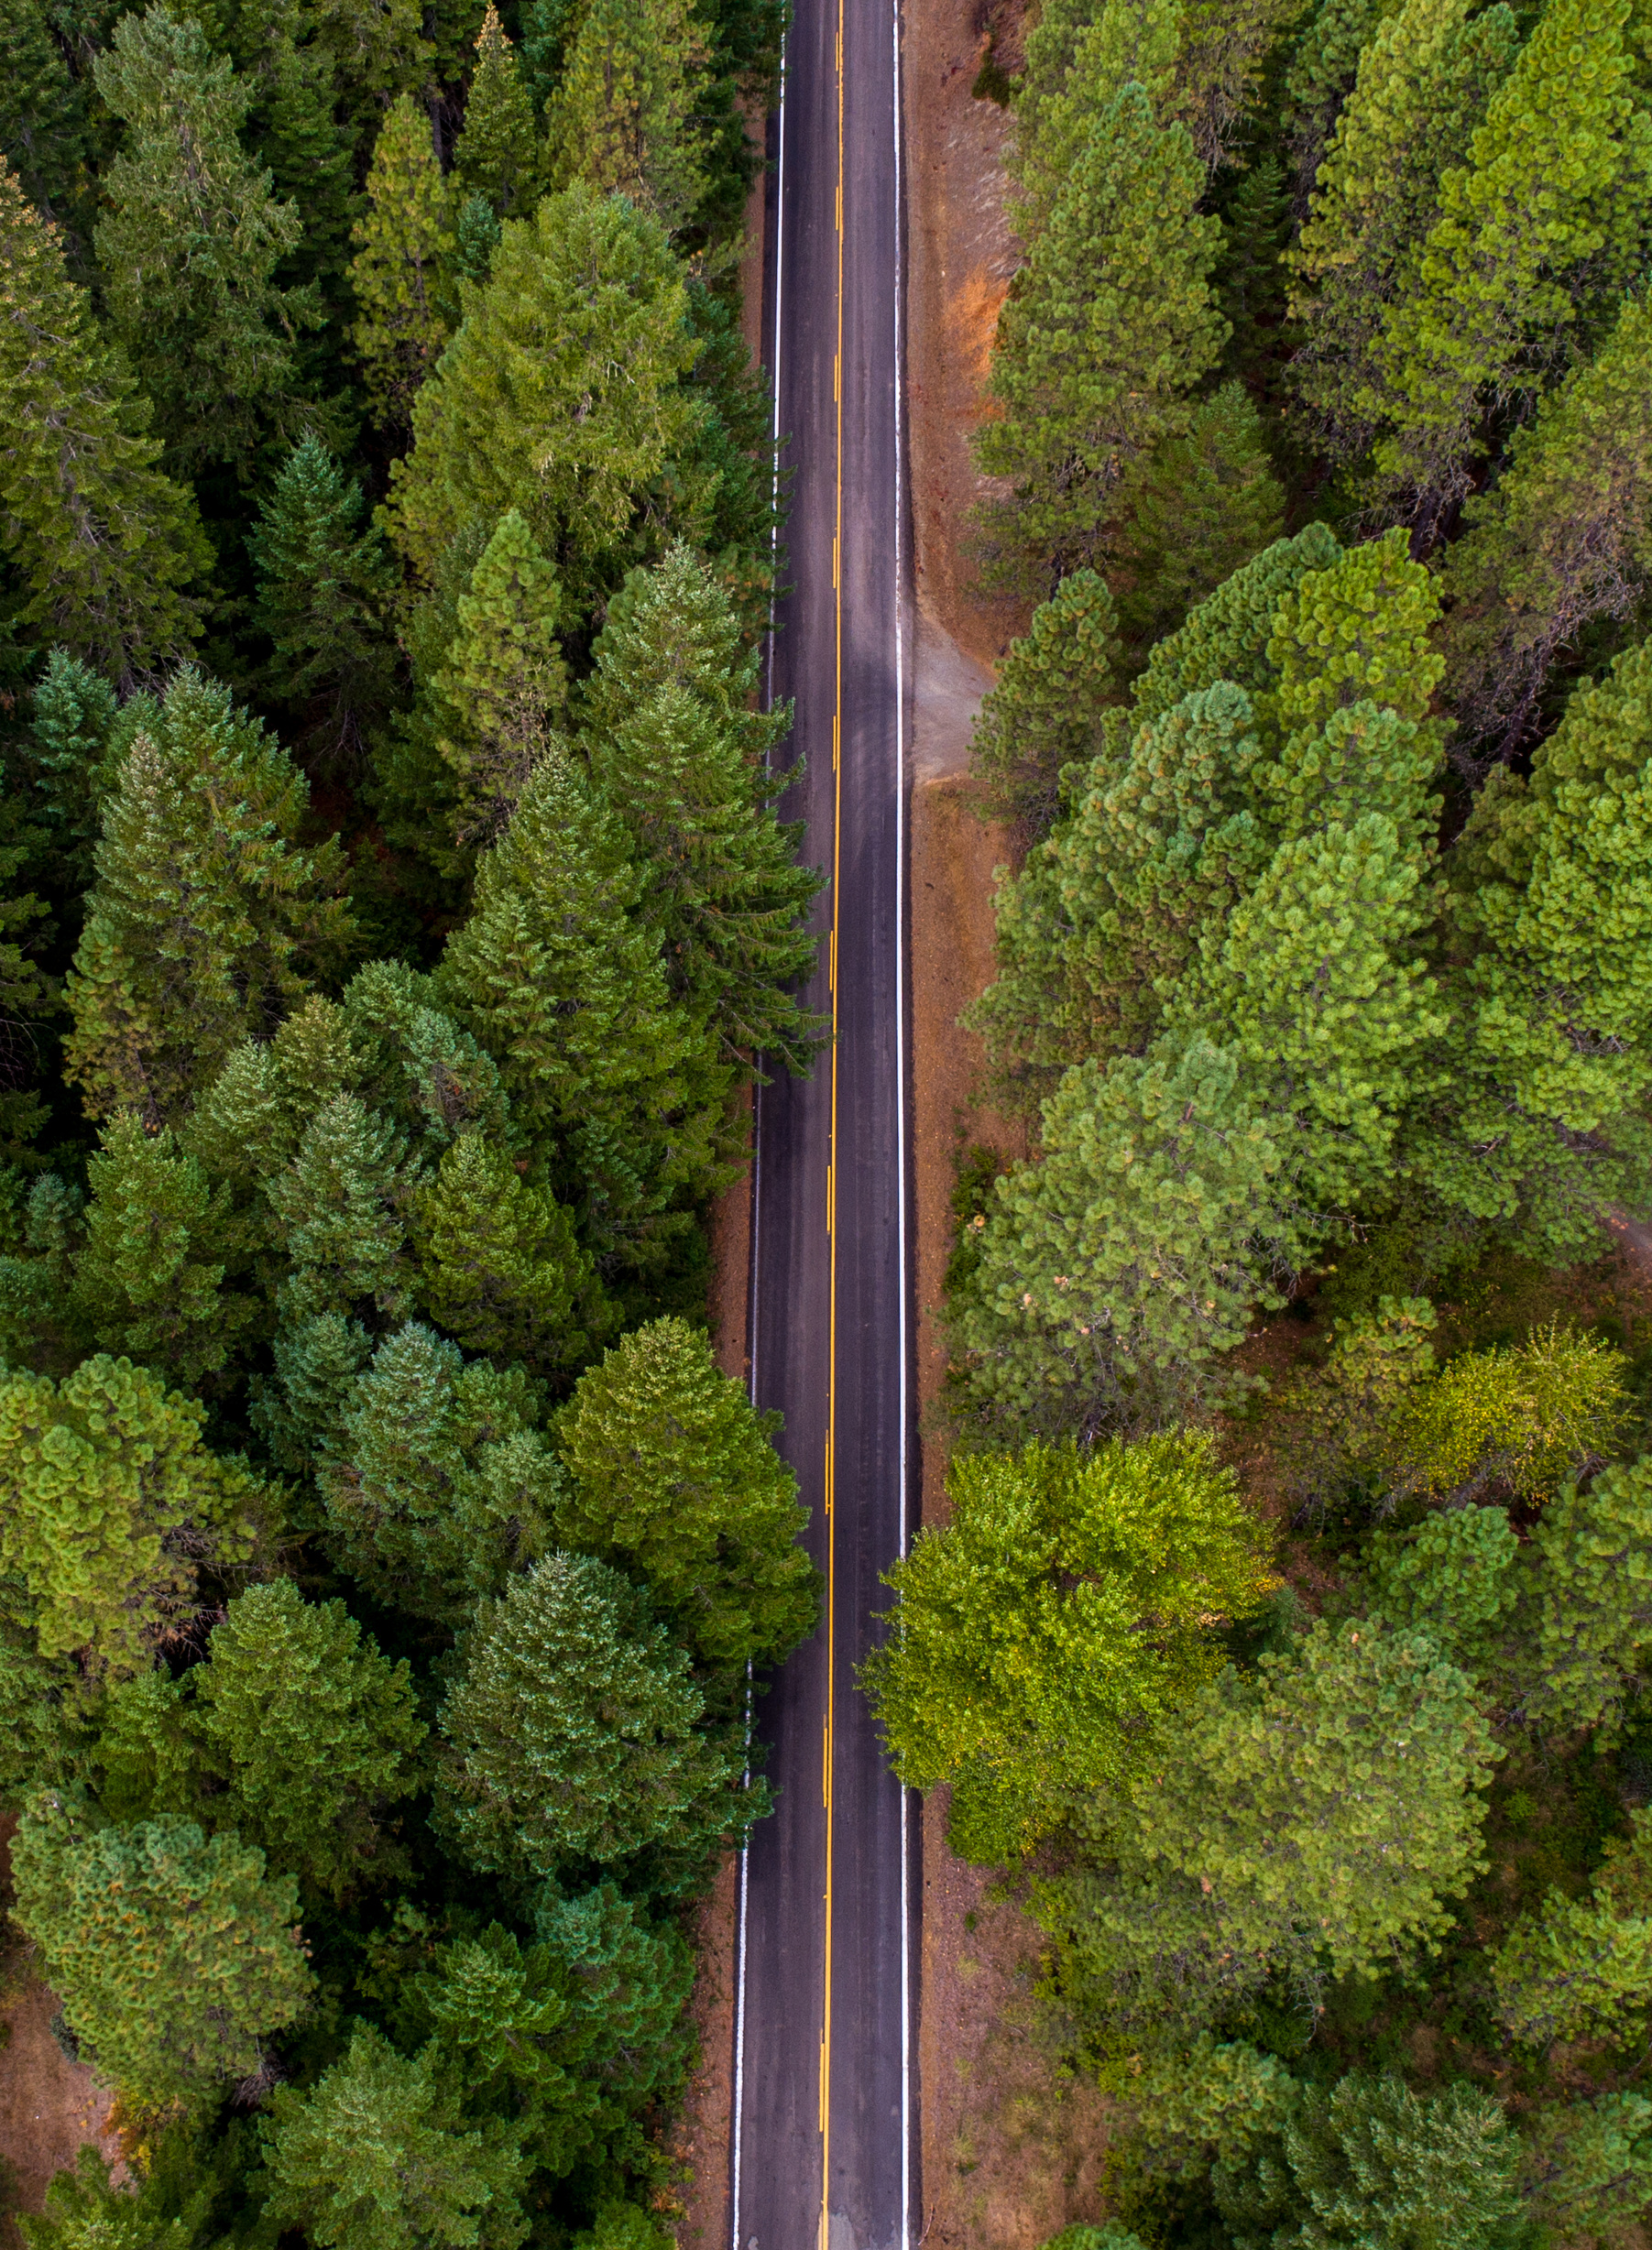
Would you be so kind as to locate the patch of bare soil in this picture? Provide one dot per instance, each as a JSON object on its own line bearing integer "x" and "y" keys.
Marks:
{"x": 700, "y": 2137}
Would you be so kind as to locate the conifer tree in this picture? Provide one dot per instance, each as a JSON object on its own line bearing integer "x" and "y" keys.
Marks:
{"x": 343, "y": 1208}
{"x": 1376, "y": 198}
{"x": 570, "y": 1737}
{"x": 75, "y": 728}
{"x": 1578, "y": 1970}
{"x": 1497, "y": 285}
{"x": 1323, "y": 68}
{"x": 190, "y": 246}
{"x": 498, "y": 154}
{"x": 1076, "y": 71}
{"x": 503, "y": 681}
{"x": 1044, "y": 711}
{"x": 317, "y": 1360}
{"x": 404, "y": 243}
{"x": 1113, "y": 1269}
{"x": 1564, "y": 539}
{"x": 103, "y": 542}
{"x": 175, "y": 1957}
{"x": 675, "y": 748}
{"x": 380, "y": 2152}
{"x": 45, "y": 132}
{"x": 1585, "y": 1611}
{"x": 673, "y": 1477}
{"x": 322, "y": 582}
{"x": 437, "y": 1486}
{"x": 110, "y": 1507}
{"x": 501, "y": 1265}
{"x": 208, "y": 917}
{"x": 1589, "y": 2164}
{"x": 561, "y": 395}
{"x": 1227, "y": 637}
{"x": 1106, "y": 329}
{"x": 624, "y": 116}
{"x": 552, "y": 974}
{"x": 312, "y": 1731}
{"x": 296, "y": 131}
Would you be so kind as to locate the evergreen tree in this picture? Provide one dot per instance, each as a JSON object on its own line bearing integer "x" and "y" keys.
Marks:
{"x": 189, "y": 245}
{"x": 404, "y": 244}
{"x": 1376, "y": 198}
{"x": 500, "y": 1266}
{"x": 498, "y": 154}
{"x": 1044, "y": 710}
{"x": 1115, "y": 1267}
{"x": 322, "y": 584}
{"x": 1589, "y": 2164}
{"x": 45, "y": 133}
{"x": 74, "y": 751}
{"x": 317, "y": 1360}
{"x": 1550, "y": 211}
{"x": 1192, "y": 512}
{"x": 1076, "y": 71}
{"x": 1318, "y": 1813}
{"x": 103, "y": 542}
{"x": 436, "y": 1484}
{"x": 570, "y": 1737}
{"x": 503, "y": 681}
{"x": 342, "y": 1209}
{"x": 378, "y": 2155}
{"x": 169, "y": 2208}
{"x": 565, "y": 989}
{"x": 1578, "y": 1970}
{"x": 1564, "y": 538}
{"x": 111, "y": 1508}
{"x": 208, "y": 915}
{"x": 175, "y": 1957}
{"x": 1531, "y": 1418}
{"x": 1107, "y": 328}
{"x": 1016, "y": 1668}
{"x": 675, "y": 748}
{"x": 1322, "y": 71}
{"x": 310, "y": 1729}
{"x": 625, "y": 114}
{"x": 673, "y": 1477}
{"x": 1227, "y": 637}
{"x": 1584, "y": 1610}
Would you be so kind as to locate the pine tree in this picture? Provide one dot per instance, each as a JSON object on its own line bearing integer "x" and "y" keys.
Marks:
{"x": 1589, "y": 2164}
{"x": 1192, "y": 511}
{"x": 404, "y": 245}
{"x": 317, "y": 1360}
{"x": 173, "y": 2206}
{"x": 503, "y": 681}
{"x": 1224, "y": 52}
{"x": 103, "y": 542}
{"x": 1376, "y": 198}
{"x": 498, "y": 154}
{"x": 1227, "y": 637}
{"x": 310, "y": 1729}
{"x": 323, "y": 583}
{"x": 1585, "y": 1613}
{"x": 1564, "y": 538}
{"x": 1107, "y": 328}
{"x": 437, "y": 1486}
{"x": 111, "y": 1507}
{"x": 570, "y": 1738}
{"x": 1044, "y": 711}
{"x": 625, "y": 117}
{"x": 295, "y": 130}
{"x": 1014, "y": 1670}
{"x": 1076, "y": 71}
{"x": 673, "y": 1477}
{"x": 208, "y": 916}
{"x": 343, "y": 1208}
{"x": 1577, "y": 1971}
{"x": 561, "y": 395}
{"x": 45, "y": 133}
{"x": 189, "y": 245}
{"x": 501, "y": 1265}
{"x": 378, "y": 2153}
{"x": 149, "y": 1281}
{"x": 76, "y": 725}
{"x": 675, "y": 748}
{"x": 175, "y": 1958}
{"x": 1434, "y": 2170}
{"x": 552, "y": 974}
{"x": 1114, "y": 1268}
{"x": 1323, "y": 69}
{"x": 1550, "y": 212}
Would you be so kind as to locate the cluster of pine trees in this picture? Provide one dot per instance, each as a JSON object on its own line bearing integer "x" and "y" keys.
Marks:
{"x": 1313, "y": 1717}
{"x": 394, "y": 912}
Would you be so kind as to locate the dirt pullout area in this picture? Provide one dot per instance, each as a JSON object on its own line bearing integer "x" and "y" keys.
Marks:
{"x": 701, "y": 2134}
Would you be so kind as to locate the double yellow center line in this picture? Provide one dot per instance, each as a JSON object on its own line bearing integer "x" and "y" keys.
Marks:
{"x": 826, "y": 1743}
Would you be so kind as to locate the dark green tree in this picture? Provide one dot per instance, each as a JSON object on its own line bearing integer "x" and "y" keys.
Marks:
{"x": 499, "y": 156}
{"x": 1044, "y": 712}
{"x": 45, "y": 131}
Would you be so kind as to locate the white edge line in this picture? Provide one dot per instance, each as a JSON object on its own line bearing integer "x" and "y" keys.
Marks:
{"x": 737, "y": 2097}
{"x": 906, "y": 1962}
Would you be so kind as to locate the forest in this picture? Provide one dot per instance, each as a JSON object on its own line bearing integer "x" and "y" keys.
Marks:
{"x": 396, "y": 916}
{"x": 1285, "y": 1645}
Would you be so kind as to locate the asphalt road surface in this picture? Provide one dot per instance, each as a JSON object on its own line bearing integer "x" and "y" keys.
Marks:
{"x": 825, "y": 2153}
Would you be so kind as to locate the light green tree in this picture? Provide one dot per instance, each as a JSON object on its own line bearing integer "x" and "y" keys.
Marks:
{"x": 1227, "y": 637}
{"x": 673, "y": 1477}
{"x": 404, "y": 246}
{"x": 436, "y": 1484}
{"x": 190, "y": 244}
{"x": 1044, "y": 710}
{"x": 175, "y": 1957}
{"x": 341, "y": 1210}
{"x": 1531, "y": 1416}
{"x": 1068, "y": 1606}
{"x": 1577, "y": 1970}
{"x": 625, "y": 117}
{"x": 503, "y": 682}
{"x": 570, "y": 1738}
{"x": 378, "y": 2155}
{"x": 104, "y": 545}
{"x": 498, "y": 156}
{"x": 111, "y": 1506}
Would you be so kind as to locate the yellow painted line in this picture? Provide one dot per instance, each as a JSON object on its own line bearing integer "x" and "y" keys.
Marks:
{"x": 826, "y": 2031}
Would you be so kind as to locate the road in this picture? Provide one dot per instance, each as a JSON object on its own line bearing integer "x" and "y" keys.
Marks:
{"x": 825, "y": 2153}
